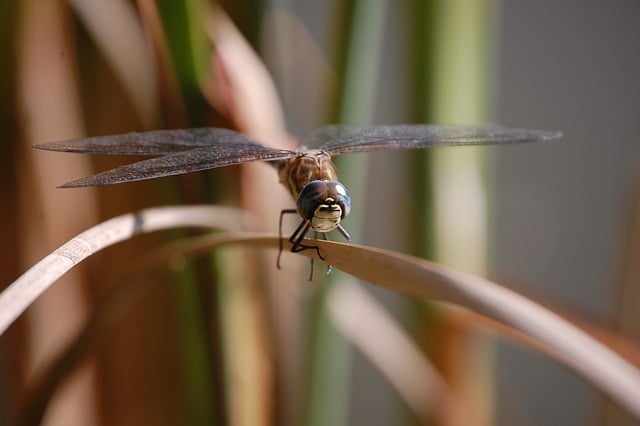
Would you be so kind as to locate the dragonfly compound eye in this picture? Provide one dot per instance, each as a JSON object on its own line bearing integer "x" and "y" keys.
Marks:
{"x": 324, "y": 203}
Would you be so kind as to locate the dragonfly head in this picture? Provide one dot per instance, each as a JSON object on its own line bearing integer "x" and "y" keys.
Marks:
{"x": 324, "y": 203}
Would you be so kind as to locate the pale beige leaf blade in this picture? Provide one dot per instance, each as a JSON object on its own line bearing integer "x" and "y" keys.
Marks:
{"x": 28, "y": 287}
{"x": 425, "y": 280}
{"x": 397, "y": 272}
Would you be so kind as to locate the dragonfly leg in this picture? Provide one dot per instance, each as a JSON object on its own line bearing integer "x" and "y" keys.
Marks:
{"x": 326, "y": 238}
{"x": 344, "y": 233}
{"x": 312, "y": 260}
{"x": 296, "y": 240}
{"x": 297, "y": 237}
{"x": 280, "y": 239}
{"x": 297, "y": 246}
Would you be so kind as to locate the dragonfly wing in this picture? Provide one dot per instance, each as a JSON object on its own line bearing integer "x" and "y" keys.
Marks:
{"x": 183, "y": 162}
{"x": 345, "y": 139}
{"x": 157, "y": 142}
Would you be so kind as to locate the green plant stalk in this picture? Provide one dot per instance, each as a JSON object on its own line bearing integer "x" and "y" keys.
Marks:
{"x": 458, "y": 42}
{"x": 359, "y": 45}
{"x": 189, "y": 51}
{"x": 451, "y": 65}
{"x": 460, "y": 94}
{"x": 196, "y": 364}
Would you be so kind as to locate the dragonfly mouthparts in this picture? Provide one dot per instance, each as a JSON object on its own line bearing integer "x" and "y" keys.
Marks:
{"x": 329, "y": 207}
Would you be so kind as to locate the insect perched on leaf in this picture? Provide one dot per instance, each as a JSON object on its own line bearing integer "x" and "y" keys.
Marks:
{"x": 308, "y": 173}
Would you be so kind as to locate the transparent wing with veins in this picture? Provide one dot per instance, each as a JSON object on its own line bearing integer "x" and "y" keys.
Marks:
{"x": 350, "y": 139}
{"x": 177, "y": 151}
{"x": 191, "y": 150}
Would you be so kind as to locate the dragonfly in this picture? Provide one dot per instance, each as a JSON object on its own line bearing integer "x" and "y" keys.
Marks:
{"x": 310, "y": 176}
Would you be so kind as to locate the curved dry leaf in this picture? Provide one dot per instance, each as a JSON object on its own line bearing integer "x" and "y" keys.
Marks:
{"x": 422, "y": 279}
{"x": 47, "y": 105}
{"x": 425, "y": 280}
{"x": 242, "y": 86}
{"x": 118, "y": 32}
{"x": 241, "y": 89}
{"x": 28, "y": 287}
{"x": 127, "y": 288}
{"x": 383, "y": 341}
{"x": 397, "y": 272}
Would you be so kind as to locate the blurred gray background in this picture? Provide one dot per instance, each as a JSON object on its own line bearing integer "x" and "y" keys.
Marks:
{"x": 562, "y": 212}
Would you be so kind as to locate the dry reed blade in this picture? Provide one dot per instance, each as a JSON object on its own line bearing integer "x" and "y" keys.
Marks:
{"x": 397, "y": 272}
{"x": 28, "y": 287}
{"x": 119, "y": 35}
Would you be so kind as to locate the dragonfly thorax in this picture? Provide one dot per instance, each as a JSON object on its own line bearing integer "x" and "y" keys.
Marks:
{"x": 296, "y": 172}
{"x": 324, "y": 204}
